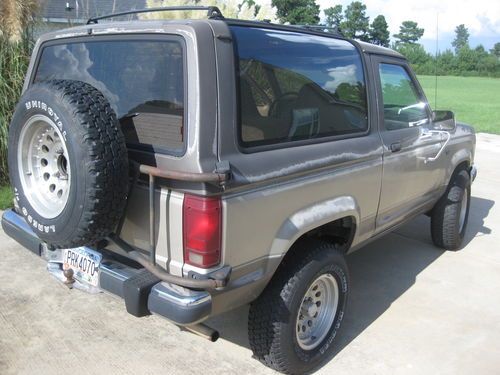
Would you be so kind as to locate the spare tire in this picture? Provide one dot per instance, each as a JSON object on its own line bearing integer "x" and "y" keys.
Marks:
{"x": 68, "y": 163}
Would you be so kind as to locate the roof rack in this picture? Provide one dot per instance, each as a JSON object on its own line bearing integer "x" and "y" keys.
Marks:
{"x": 212, "y": 12}
{"x": 333, "y": 30}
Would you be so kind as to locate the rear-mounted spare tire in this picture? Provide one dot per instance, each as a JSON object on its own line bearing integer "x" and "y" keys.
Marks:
{"x": 68, "y": 163}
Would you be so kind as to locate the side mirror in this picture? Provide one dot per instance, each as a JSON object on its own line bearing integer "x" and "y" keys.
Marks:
{"x": 443, "y": 120}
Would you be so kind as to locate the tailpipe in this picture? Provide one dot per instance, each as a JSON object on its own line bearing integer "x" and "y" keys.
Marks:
{"x": 204, "y": 331}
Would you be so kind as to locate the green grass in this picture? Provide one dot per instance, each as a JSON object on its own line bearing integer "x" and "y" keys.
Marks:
{"x": 475, "y": 100}
{"x": 5, "y": 197}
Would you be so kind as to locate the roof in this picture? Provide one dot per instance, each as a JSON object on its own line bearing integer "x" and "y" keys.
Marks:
{"x": 101, "y": 7}
{"x": 55, "y": 10}
{"x": 379, "y": 50}
{"x": 365, "y": 47}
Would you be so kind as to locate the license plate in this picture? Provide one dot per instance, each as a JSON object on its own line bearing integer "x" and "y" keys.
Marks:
{"x": 85, "y": 264}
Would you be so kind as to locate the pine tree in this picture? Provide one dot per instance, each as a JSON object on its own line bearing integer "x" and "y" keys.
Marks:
{"x": 461, "y": 38}
{"x": 334, "y": 16}
{"x": 379, "y": 32}
{"x": 297, "y": 12}
{"x": 409, "y": 33}
{"x": 356, "y": 22}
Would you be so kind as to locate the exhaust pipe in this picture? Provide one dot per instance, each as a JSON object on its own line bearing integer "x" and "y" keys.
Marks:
{"x": 204, "y": 331}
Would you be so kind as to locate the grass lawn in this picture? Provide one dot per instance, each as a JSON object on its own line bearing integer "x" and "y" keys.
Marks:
{"x": 5, "y": 197}
{"x": 475, "y": 100}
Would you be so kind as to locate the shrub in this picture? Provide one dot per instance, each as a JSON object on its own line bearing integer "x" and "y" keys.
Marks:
{"x": 14, "y": 60}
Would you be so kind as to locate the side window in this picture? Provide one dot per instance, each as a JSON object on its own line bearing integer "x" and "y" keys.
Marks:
{"x": 403, "y": 105}
{"x": 295, "y": 86}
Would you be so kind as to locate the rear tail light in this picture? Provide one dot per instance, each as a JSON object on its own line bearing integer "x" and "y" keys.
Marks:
{"x": 202, "y": 226}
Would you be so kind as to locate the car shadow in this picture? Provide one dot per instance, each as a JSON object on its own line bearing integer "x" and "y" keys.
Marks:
{"x": 380, "y": 273}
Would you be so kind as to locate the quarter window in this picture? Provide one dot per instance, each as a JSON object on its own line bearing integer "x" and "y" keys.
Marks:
{"x": 295, "y": 86}
{"x": 403, "y": 105}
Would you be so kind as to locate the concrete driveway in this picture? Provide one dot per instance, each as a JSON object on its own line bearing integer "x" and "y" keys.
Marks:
{"x": 414, "y": 309}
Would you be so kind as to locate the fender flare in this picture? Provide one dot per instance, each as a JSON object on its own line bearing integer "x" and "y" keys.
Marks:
{"x": 311, "y": 217}
{"x": 459, "y": 157}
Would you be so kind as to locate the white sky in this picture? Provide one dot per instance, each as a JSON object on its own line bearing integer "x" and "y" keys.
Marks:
{"x": 481, "y": 17}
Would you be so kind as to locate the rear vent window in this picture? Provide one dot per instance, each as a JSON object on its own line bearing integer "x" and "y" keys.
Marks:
{"x": 142, "y": 79}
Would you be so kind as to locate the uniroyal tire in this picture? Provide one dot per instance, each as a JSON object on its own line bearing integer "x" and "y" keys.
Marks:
{"x": 276, "y": 326}
{"x": 450, "y": 214}
{"x": 68, "y": 163}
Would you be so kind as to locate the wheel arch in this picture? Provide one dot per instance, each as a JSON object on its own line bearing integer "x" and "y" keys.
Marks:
{"x": 462, "y": 159}
{"x": 315, "y": 220}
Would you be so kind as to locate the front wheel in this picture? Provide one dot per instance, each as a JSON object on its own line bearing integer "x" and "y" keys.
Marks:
{"x": 450, "y": 214}
{"x": 293, "y": 323}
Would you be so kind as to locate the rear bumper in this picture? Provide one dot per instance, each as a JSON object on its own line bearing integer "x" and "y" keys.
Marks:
{"x": 143, "y": 292}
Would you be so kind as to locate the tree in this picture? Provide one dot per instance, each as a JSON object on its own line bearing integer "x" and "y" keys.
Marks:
{"x": 301, "y": 12}
{"x": 415, "y": 53}
{"x": 244, "y": 9}
{"x": 409, "y": 33}
{"x": 379, "y": 31}
{"x": 334, "y": 16}
{"x": 467, "y": 59}
{"x": 356, "y": 22}
{"x": 447, "y": 63}
{"x": 496, "y": 50}
{"x": 461, "y": 38}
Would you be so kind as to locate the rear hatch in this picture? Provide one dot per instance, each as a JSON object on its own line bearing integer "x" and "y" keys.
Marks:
{"x": 142, "y": 76}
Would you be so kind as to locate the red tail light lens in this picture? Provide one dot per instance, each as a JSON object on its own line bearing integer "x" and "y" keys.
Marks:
{"x": 202, "y": 226}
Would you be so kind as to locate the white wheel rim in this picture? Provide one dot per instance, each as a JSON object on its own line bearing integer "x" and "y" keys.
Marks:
{"x": 43, "y": 166}
{"x": 317, "y": 311}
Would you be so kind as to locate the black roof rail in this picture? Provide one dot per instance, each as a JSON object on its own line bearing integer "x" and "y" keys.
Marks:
{"x": 333, "y": 30}
{"x": 212, "y": 12}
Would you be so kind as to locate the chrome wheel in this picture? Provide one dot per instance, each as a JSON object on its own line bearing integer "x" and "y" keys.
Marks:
{"x": 44, "y": 167}
{"x": 463, "y": 211}
{"x": 317, "y": 311}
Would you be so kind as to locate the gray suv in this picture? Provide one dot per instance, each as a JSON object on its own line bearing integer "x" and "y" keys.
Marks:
{"x": 194, "y": 166}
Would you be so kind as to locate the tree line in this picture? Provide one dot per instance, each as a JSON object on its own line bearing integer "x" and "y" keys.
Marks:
{"x": 353, "y": 22}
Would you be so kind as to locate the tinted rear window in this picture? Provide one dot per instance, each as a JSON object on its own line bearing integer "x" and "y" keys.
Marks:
{"x": 296, "y": 86}
{"x": 142, "y": 79}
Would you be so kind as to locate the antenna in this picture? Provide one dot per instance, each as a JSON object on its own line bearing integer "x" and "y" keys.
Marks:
{"x": 436, "y": 62}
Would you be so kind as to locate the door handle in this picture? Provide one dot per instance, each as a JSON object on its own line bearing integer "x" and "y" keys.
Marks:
{"x": 426, "y": 134}
{"x": 434, "y": 158}
{"x": 395, "y": 147}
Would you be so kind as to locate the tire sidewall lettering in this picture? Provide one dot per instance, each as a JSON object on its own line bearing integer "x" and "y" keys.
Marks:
{"x": 36, "y": 223}
{"x": 41, "y": 105}
{"x": 91, "y": 133}
{"x": 30, "y": 107}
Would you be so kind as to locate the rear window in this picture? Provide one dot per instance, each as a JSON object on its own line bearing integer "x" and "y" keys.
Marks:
{"x": 295, "y": 86}
{"x": 142, "y": 79}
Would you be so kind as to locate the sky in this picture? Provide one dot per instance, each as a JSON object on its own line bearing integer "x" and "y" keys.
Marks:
{"x": 481, "y": 17}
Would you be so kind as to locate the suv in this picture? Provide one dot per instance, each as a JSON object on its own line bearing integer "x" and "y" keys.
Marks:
{"x": 194, "y": 166}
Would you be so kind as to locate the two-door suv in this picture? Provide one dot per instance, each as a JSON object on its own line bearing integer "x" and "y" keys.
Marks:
{"x": 194, "y": 166}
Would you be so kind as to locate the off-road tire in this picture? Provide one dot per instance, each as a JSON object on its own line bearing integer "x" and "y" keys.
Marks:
{"x": 97, "y": 157}
{"x": 272, "y": 318}
{"x": 445, "y": 217}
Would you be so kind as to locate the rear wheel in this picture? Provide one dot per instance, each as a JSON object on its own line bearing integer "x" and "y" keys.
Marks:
{"x": 293, "y": 323}
{"x": 450, "y": 214}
